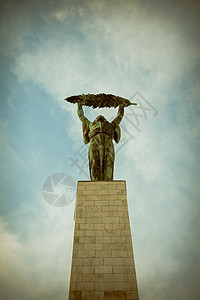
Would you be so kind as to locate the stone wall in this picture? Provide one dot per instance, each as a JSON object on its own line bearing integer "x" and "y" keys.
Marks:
{"x": 102, "y": 258}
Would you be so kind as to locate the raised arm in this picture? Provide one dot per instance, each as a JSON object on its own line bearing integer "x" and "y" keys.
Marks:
{"x": 81, "y": 113}
{"x": 119, "y": 115}
{"x": 85, "y": 123}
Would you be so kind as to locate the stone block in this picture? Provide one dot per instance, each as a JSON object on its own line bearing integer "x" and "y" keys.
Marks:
{"x": 109, "y": 197}
{"x": 78, "y": 246}
{"x": 123, "y": 208}
{"x": 103, "y": 239}
{"x": 84, "y": 253}
{"x": 128, "y": 261}
{"x": 119, "y": 295}
{"x": 130, "y": 278}
{"x": 114, "y": 226}
{"x": 126, "y": 215}
{"x": 92, "y": 295}
{"x": 115, "y": 213}
{"x": 123, "y": 220}
{"x": 104, "y": 253}
{"x": 94, "y": 197}
{"x": 77, "y": 261}
{"x": 100, "y": 214}
{"x": 75, "y": 295}
{"x": 111, "y": 232}
{"x": 76, "y": 277}
{"x": 127, "y": 226}
{"x": 108, "y": 208}
{"x": 93, "y": 246}
{"x": 87, "y": 226}
{"x": 109, "y": 220}
{"x": 119, "y": 239}
{"x": 120, "y": 187}
{"x": 115, "y": 202}
{"x": 97, "y": 261}
{"x": 80, "y": 220}
{"x": 81, "y": 188}
{"x": 94, "y": 232}
{"x": 119, "y": 253}
{"x": 94, "y": 277}
{"x": 93, "y": 220}
{"x": 121, "y": 269}
{"x": 113, "y": 192}
{"x": 82, "y": 269}
{"x": 87, "y": 239}
{"x": 101, "y": 192}
{"x": 89, "y": 202}
{"x": 77, "y": 226}
{"x": 114, "y": 278}
{"x": 122, "y": 286}
{"x": 101, "y": 203}
{"x": 72, "y": 286}
{"x": 103, "y": 269}
{"x": 93, "y": 208}
{"x": 113, "y": 261}
{"x": 75, "y": 253}
{"x": 79, "y": 233}
{"x": 84, "y": 286}
{"x": 99, "y": 226}
{"x": 81, "y": 197}
{"x": 104, "y": 286}
{"x": 110, "y": 246}
{"x": 132, "y": 295}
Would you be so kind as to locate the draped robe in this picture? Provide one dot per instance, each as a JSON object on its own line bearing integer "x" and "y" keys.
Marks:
{"x": 100, "y": 134}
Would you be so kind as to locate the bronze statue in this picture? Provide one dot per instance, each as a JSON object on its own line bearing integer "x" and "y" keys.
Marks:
{"x": 100, "y": 133}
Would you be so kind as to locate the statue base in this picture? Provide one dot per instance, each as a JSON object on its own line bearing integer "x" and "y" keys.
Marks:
{"x": 102, "y": 258}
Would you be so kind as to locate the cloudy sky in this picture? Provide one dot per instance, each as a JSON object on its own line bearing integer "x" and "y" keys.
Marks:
{"x": 147, "y": 51}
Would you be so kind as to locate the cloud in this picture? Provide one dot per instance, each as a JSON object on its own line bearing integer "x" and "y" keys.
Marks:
{"x": 39, "y": 264}
{"x": 101, "y": 55}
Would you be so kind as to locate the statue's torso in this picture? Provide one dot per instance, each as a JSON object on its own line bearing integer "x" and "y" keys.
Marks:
{"x": 101, "y": 126}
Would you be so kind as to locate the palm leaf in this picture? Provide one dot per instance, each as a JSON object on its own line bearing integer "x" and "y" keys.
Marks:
{"x": 99, "y": 100}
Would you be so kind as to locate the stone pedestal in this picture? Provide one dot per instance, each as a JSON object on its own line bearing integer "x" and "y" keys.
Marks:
{"x": 102, "y": 258}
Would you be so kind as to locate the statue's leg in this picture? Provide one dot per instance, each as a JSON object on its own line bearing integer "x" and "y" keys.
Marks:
{"x": 91, "y": 165}
{"x": 94, "y": 159}
{"x": 109, "y": 160}
{"x": 108, "y": 175}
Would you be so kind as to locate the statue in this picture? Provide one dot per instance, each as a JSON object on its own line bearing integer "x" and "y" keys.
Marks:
{"x": 100, "y": 133}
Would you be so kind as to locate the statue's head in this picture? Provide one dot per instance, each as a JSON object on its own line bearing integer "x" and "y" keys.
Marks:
{"x": 100, "y": 119}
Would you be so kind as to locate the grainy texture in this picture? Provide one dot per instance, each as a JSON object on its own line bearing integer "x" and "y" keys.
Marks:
{"x": 102, "y": 259}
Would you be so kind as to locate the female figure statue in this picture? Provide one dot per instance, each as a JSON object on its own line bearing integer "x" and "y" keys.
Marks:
{"x": 100, "y": 134}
